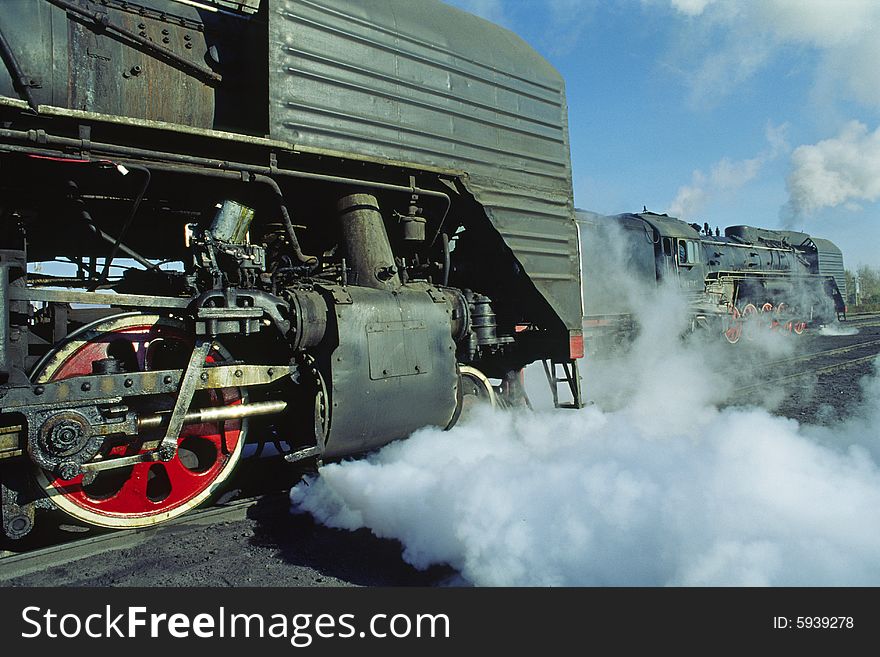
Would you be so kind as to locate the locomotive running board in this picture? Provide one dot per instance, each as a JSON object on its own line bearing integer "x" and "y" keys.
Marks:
{"x": 570, "y": 375}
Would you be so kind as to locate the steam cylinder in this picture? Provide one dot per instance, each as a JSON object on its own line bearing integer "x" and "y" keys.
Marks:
{"x": 369, "y": 251}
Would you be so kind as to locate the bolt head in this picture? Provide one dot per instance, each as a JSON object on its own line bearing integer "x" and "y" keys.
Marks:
{"x": 68, "y": 470}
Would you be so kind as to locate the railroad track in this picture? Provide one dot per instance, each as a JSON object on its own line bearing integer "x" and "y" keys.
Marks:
{"x": 869, "y": 319}
{"x": 17, "y": 564}
{"x": 826, "y": 353}
{"x": 830, "y": 368}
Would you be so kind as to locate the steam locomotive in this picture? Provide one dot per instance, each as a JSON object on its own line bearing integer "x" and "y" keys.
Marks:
{"x": 747, "y": 280}
{"x": 320, "y": 224}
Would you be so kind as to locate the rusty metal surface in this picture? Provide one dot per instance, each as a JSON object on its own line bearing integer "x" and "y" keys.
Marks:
{"x": 188, "y": 63}
{"x": 426, "y": 83}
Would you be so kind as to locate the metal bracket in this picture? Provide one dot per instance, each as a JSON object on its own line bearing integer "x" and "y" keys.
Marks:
{"x": 339, "y": 293}
{"x": 168, "y": 446}
{"x": 102, "y": 22}
{"x": 85, "y": 138}
{"x": 436, "y": 295}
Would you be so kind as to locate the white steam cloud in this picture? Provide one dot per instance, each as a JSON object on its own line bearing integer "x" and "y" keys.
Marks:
{"x": 737, "y": 497}
{"x": 833, "y": 172}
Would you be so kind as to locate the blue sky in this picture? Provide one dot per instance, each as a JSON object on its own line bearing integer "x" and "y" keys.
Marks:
{"x": 760, "y": 112}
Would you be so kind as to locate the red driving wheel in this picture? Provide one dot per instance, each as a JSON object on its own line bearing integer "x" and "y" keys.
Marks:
{"x": 732, "y": 325}
{"x": 146, "y": 493}
{"x": 750, "y": 320}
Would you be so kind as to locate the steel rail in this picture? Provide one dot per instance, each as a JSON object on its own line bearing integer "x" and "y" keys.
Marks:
{"x": 826, "y": 353}
{"x": 827, "y": 369}
{"x": 18, "y": 564}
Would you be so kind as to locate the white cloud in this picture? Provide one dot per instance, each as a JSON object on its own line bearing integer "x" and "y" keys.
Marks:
{"x": 568, "y": 20}
{"x": 838, "y": 171}
{"x": 690, "y": 7}
{"x": 726, "y": 176}
{"x": 739, "y": 38}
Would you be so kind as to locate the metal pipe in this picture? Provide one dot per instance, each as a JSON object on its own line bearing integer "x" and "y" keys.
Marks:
{"x": 131, "y": 253}
{"x": 215, "y": 414}
{"x": 20, "y": 81}
{"x": 288, "y": 224}
{"x": 117, "y": 243}
{"x": 41, "y": 138}
{"x": 365, "y": 237}
{"x": 108, "y": 261}
{"x": 446, "y": 259}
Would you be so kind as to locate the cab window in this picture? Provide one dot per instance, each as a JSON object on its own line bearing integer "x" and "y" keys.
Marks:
{"x": 687, "y": 252}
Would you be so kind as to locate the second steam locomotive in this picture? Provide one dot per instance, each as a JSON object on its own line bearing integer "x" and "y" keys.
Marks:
{"x": 748, "y": 279}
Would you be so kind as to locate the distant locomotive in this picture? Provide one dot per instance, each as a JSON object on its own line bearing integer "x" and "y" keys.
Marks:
{"x": 736, "y": 284}
{"x": 318, "y": 223}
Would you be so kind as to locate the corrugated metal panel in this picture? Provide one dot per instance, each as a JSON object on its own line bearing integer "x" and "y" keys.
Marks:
{"x": 419, "y": 81}
{"x": 831, "y": 262}
{"x": 670, "y": 226}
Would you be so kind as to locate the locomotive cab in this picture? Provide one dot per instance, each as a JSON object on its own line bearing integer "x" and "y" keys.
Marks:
{"x": 676, "y": 251}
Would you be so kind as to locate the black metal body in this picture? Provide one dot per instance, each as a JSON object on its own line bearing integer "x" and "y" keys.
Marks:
{"x": 156, "y": 160}
{"x": 626, "y": 256}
